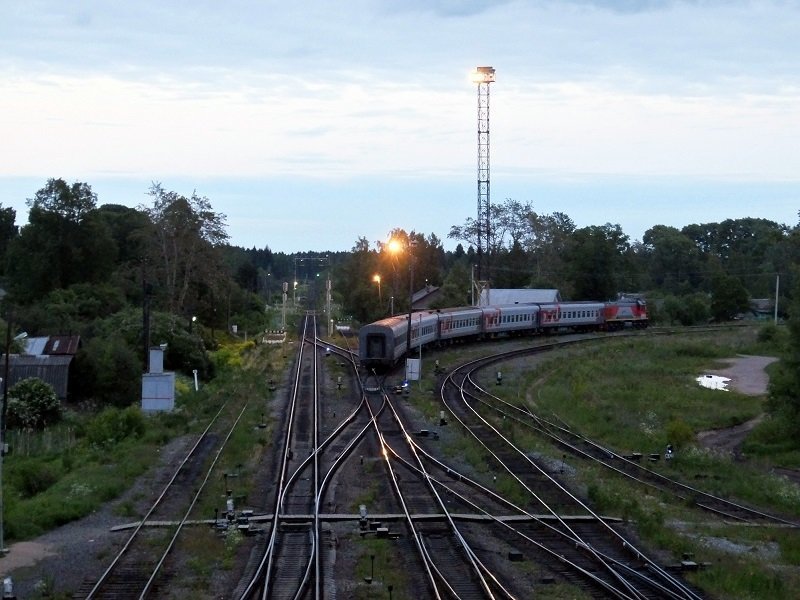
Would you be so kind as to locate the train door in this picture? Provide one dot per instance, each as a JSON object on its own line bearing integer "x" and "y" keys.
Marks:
{"x": 376, "y": 345}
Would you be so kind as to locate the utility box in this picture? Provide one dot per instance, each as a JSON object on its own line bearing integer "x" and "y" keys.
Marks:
{"x": 158, "y": 386}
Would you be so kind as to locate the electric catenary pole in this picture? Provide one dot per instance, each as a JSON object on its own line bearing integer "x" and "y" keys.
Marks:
{"x": 483, "y": 76}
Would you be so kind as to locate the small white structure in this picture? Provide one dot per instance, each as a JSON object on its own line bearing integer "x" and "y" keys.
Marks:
{"x": 158, "y": 386}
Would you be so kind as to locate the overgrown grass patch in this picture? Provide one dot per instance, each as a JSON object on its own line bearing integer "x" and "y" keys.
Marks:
{"x": 628, "y": 391}
{"x": 773, "y": 439}
{"x": 55, "y": 482}
{"x": 378, "y": 566}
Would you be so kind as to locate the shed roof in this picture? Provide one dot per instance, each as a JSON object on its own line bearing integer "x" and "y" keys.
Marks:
{"x": 50, "y": 369}
{"x": 518, "y": 296}
{"x": 53, "y": 344}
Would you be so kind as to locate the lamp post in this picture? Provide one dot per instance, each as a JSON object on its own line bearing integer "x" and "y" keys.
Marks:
{"x": 377, "y": 279}
{"x": 410, "y": 296}
{"x": 395, "y": 247}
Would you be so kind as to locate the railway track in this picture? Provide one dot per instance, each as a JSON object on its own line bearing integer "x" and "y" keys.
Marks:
{"x": 631, "y": 466}
{"x": 140, "y": 566}
{"x": 458, "y": 537}
{"x": 593, "y": 549}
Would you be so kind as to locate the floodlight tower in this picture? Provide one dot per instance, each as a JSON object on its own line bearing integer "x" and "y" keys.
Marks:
{"x": 483, "y": 76}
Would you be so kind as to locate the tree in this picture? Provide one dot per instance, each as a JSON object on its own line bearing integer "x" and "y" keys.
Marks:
{"x": 550, "y": 235}
{"x": 728, "y": 297}
{"x": 8, "y": 231}
{"x": 32, "y": 404}
{"x": 361, "y": 299}
{"x": 784, "y": 383}
{"x": 64, "y": 242}
{"x": 596, "y": 261}
{"x": 186, "y": 234}
{"x": 107, "y": 371}
{"x": 674, "y": 261}
{"x": 455, "y": 289}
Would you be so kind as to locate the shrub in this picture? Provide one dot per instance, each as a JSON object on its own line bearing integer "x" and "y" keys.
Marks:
{"x": 114, "y": 425}
{"x": 32, "y": 404}
{"x": 679, "y": 433}
{"x": 32, "y": 476}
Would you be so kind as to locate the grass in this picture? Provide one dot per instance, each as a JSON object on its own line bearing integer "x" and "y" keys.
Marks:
{"x": 638, "y": 394}
{"x": 383, "y": 571}
{"x": 63, "y": 475}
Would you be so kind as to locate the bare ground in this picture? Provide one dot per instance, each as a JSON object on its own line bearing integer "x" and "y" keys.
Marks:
{"x": 747, "y": 376}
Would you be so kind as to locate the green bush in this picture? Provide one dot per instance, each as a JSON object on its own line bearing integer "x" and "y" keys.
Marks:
{"x": 32, "y": 404}
{"x": 114, "y": 425}
{"x": 768, "y": 333}
{"x": 29, "y": 477}
{"x": 679, "y": 433}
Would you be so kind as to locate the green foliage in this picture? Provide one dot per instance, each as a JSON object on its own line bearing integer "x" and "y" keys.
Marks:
{"x": 769, "y": 333}
{"x": 31, "y": 476}
{"x": 784, "y": 386}
{"x": 113, "y": 425}
{"x": 728, "y": 297}
{"x": 32, "y": 404}
{"x": 679, "y": 433}
{"x": 63, "y": 243}
{"x": 686, "y": 310}
{"x": 107, "y": 371}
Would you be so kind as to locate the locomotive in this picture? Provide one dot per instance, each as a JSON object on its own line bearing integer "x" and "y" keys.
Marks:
{"x": 383, "y": 343}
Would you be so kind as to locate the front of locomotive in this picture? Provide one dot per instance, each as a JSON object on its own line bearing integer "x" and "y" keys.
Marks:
{"x": 626, "y": 312}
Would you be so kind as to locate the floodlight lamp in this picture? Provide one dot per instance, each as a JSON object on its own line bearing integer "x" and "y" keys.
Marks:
{"x": 482, "y": 75}
{"x": 394, "y": 246}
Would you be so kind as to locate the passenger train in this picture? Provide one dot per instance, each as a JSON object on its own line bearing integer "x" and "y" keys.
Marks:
{"x": 383, "y": 343}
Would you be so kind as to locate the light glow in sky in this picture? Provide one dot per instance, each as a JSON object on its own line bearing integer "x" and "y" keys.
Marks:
{"x": 313, "y": 124}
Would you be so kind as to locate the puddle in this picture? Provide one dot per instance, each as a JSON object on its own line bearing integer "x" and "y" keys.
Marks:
{"x": 714, "y": 382}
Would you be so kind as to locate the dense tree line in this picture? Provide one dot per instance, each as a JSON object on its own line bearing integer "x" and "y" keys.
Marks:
{"x": 82, "y": 267}
{"x": 78, "y": 267}
{"x": 701, "y": 272}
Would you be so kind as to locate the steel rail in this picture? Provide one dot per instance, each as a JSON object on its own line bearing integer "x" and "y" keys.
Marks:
{"x": 481, "y": 363}
{"x": 267, "y": 558}
{"x": 453, "y": 527}
{"x": 589, "y": 547}
{"x": 101, "y": 581}
{"x": 417, "y": 536}
{"x": 151, "y": 581}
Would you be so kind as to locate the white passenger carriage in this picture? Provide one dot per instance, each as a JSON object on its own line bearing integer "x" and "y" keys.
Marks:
{"x": 460, "y": 323}
{"x": 511, "y": 319}
{"x": 424, "y": 328}
{"x": 578, "y": 316}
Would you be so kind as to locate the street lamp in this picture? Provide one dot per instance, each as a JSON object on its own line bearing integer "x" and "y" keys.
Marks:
{"x": 377, "y": 279}
{"x": 410, "y": 296}
{"x": 395, "y": 246}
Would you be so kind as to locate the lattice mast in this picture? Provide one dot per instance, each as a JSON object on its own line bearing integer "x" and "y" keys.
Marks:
{"x": 483, "y": 76}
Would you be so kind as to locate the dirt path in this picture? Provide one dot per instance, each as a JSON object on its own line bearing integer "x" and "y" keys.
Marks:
{"x": 747, "y": 375}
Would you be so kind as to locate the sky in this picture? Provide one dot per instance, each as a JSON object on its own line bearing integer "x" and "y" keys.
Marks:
{"x": 313, "y": 124}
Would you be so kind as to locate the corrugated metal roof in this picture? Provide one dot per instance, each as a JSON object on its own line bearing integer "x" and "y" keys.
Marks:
{"x": 50, "y": 369}
{"x": 518, "y": 296}
{"x": 35, "y": 345}
{"x": 63, "y": 344}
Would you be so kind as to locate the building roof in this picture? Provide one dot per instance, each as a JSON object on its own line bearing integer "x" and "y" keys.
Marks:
{"x": 517, "y": 296}
{"x": 58, "y": 345}
{"x": 423, "y": 298}
{"x": 50, "y": 369}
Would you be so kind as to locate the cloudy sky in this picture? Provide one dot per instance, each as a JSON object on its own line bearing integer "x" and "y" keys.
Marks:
{"x": 311, "y": 124}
